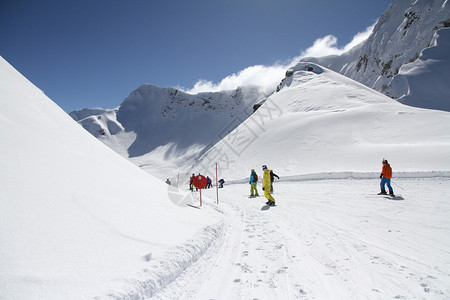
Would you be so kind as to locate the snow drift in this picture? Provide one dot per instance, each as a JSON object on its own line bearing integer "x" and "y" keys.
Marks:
{"x": 76, "y": 219}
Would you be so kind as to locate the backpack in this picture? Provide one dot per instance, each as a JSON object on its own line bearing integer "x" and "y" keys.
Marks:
{"x": 255, "y": 178}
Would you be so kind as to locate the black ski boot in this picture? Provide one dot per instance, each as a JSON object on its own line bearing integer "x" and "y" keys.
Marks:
{"x": 383, "y": 192}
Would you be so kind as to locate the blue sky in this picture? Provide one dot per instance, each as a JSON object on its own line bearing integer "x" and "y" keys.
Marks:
{"x": 93, "y": 53}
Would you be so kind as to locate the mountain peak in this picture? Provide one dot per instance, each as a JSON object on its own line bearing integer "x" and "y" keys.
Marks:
{"x": 404, "y": 30}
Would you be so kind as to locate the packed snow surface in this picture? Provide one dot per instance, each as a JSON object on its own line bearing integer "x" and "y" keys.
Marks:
{"x": 326, "y": 239}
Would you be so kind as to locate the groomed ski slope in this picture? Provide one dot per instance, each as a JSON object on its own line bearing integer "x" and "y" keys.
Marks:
{"x": 325, "y": 239}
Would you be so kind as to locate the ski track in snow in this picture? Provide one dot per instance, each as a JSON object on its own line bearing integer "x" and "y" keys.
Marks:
{"x": 325, "y": 239}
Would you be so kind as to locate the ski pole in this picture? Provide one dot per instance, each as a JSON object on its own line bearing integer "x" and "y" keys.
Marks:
{"x": 396, "y": 184}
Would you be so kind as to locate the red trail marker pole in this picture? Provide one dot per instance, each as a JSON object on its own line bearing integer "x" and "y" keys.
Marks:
{"x": 200, "y": 183}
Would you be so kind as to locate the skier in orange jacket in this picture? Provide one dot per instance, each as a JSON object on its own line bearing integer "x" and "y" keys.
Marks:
{"x": 386, "y": 175}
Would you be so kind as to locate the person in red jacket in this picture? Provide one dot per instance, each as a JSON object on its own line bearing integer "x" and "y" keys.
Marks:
{"x": 386, "y": 175}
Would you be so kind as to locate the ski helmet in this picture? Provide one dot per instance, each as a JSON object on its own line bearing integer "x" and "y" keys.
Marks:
{"x": 264, "y": 167}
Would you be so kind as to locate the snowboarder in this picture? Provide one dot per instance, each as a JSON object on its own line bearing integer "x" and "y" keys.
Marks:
{"x": 385, "y": 176}
{"x": 253, "y": 184}
{"x": 266, "y": 186}
{"x": 272, "y": 175}
{"x": 221, "y": 182}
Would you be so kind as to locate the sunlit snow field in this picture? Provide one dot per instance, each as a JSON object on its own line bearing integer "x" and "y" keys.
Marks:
{"x": 326, "y": 239}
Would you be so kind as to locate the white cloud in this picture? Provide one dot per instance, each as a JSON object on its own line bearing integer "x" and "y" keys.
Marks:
{"x": 328, "y": 45}
{"x": 270, "y": 76}
{"x": 266, "y": 76}
{"x": 322, "y": 47}
{"x": 359, "y": 37}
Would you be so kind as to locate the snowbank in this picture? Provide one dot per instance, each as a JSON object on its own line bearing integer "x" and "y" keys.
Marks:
{"x": 77, "y": 220}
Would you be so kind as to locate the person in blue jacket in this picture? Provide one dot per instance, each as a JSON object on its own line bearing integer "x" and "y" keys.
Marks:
{"x": 221, "y": 182}
{"x": 253, "y": 184}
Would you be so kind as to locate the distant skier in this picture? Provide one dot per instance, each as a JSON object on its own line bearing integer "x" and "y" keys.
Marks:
{"x": 272, "y": 175}
{"x": 386, "y": 175}
{"x": 253, "y": 184}
{"x": 221, "y": 182}
{"x": 191, "y": 182}
{"x": 266, "y": 186}
{"x": 168, "y": 181}
{"x": 208, "y": 182}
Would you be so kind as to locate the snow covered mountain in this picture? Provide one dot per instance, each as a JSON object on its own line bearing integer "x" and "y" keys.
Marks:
{"x": 384, "y": 61}
{"x": 156, "y": 123}
{"x": 321, "y": 122}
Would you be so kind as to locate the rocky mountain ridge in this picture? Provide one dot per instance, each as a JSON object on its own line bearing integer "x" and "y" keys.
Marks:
{"x": 404, "y": 30}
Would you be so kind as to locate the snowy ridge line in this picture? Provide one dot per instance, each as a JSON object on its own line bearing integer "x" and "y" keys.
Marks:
{"x": 162, "y": 272}
{"x": 354, "y": 175}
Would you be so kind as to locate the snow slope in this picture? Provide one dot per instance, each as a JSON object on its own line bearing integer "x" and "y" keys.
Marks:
{"x": 77, "y": 220}
{"x": 405, "y": 29}
{"x": 321, "y": 122}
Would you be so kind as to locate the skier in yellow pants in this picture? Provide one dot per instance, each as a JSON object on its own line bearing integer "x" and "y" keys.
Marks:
{"x": 253, "y": 182}
{"x": 266, "y": 186}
